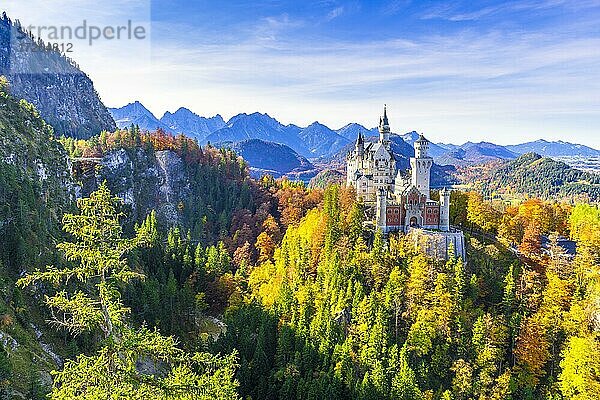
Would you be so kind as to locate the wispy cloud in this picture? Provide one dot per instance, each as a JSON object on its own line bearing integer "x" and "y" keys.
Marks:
{"x": 466, "y": 75}
{"x": 336, "y": 12}
{"x": 269, "y": 28}
{"x": 458, "y": 11}
{"x": 478, "y": 81}
{"x": 394, "y": 6}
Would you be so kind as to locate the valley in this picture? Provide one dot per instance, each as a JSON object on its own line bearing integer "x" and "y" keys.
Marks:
{"x": 196, "y": 256}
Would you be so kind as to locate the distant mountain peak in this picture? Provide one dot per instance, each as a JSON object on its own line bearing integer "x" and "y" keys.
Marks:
{"x": 317, "y": 124}
{"x": 318, "y": 140}
{"x": 558, "y": 148}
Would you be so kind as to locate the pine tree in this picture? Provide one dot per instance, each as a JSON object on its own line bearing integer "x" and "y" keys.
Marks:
{"x": 404, "y": 383}
{"x": 97, "y": 260}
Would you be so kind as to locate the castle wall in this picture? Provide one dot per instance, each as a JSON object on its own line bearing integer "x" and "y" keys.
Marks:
{"x": 432, "y": 215}
{"x": 394, "y": 216}
{"x": 438, "y": 244}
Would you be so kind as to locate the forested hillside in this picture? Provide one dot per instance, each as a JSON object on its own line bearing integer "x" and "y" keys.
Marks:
{"x": 532, "y": 175}
{"x": 330, "y": 316}
{"x": 203, "y": 190}
{"x": 35, "y": 185}
{"x": 35, "y": 191}
{"x": 272, "y": 290}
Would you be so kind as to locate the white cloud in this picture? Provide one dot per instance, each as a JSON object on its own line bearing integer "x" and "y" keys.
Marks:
{"x": 452, "y": 11}
{"x": 467, "y": 85}
{"x": 471, "y": 80}
{"x": 336, "y": 12}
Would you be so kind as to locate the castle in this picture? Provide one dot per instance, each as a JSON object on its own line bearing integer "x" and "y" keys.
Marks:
{"x": 401, "y": 199}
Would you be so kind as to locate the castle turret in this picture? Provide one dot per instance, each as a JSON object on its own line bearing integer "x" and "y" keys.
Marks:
{"x": 355, "y": 160}
{"x": 381, "y": 217}
{"x": 445, "y": 210}
{"x": 421, "y": 147}
{"x": 384, "y": 129}
{"x": 360, "y": 145}
{"x": 421, "y": 165}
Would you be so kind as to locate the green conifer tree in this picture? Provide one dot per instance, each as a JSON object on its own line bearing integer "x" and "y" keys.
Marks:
{"x": 98, "y": 263}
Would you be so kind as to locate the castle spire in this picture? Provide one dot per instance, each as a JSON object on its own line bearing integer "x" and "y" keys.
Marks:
{"x": 360, "y": 145}
{"x": 360, "y": 139}
{"x": 384, "y": 128}
{"x": 385, "y": 118}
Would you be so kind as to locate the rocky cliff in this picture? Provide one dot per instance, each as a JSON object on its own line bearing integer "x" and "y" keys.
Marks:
{"x": 198, "y": 189}
{"x": 63, "y": 94}
{"x": 35, "y": 181}
{"x": 145, "y": 180}
{"x": 35, "y": 190}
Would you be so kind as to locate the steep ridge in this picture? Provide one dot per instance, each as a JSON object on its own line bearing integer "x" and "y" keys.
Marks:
{"x": 321, "y": 141}
{"x": 475, "y": 153}
{"x": 136, "y": 114}
{"x": 191, "y": 124}
{"x": 259, "y": 126}
{"x": 64, "y": 96}
{"x": 271, "y": 158}
{"x": 554, "y": 149}
{"x": 35, "y": 190}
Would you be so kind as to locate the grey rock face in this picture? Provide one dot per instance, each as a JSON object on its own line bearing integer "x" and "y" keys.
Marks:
{"x": 174, "y": 184}
{"x": 145, "y": 181}
{"x": 64, "y": 96}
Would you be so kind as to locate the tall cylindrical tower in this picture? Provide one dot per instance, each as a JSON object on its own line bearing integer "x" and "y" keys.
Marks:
{"x": 384, "y": 129}
{"x": 381, "y": 211}
{"x": 421, "y": 165}
{"x": 445, "y": 210}
{"x": 422, "y": 147}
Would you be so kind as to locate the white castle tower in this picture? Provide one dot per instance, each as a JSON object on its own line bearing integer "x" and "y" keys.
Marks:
{"x": 381, "y": 210}
{"x": 399, "y": 201}
{"x": 371, "y": 166}
{"x": 384, "y": 129}
{"x": 420, "y": 166}
{"x": 445, "y": 210}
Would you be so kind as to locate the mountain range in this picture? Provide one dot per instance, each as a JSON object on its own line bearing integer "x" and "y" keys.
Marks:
{"x": 272, "y": 158}
{"x": 313, "y": 141}
{"x": 321, "y": 143}
{"x": 554, "y": 149}
{"x": 532, "y": 175}
{"x": 181, "y": 121}
{"x": 474, "y": 153}
{"x": 435, "y": 150}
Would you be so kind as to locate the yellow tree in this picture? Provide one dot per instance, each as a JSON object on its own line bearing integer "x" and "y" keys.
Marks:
{"x": 580, "y": 376}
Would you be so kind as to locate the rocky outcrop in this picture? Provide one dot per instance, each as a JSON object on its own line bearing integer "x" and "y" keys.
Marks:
{"x": 35, "y": 183}
{"x": 145, "y": 180}
{"x": 63, "y": 94}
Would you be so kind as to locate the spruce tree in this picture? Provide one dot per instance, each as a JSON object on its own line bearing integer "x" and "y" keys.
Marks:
{"x": 130, "y": 363}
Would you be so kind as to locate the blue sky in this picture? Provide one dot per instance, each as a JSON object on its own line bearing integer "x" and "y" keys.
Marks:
{"x": 505, "y": 72}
